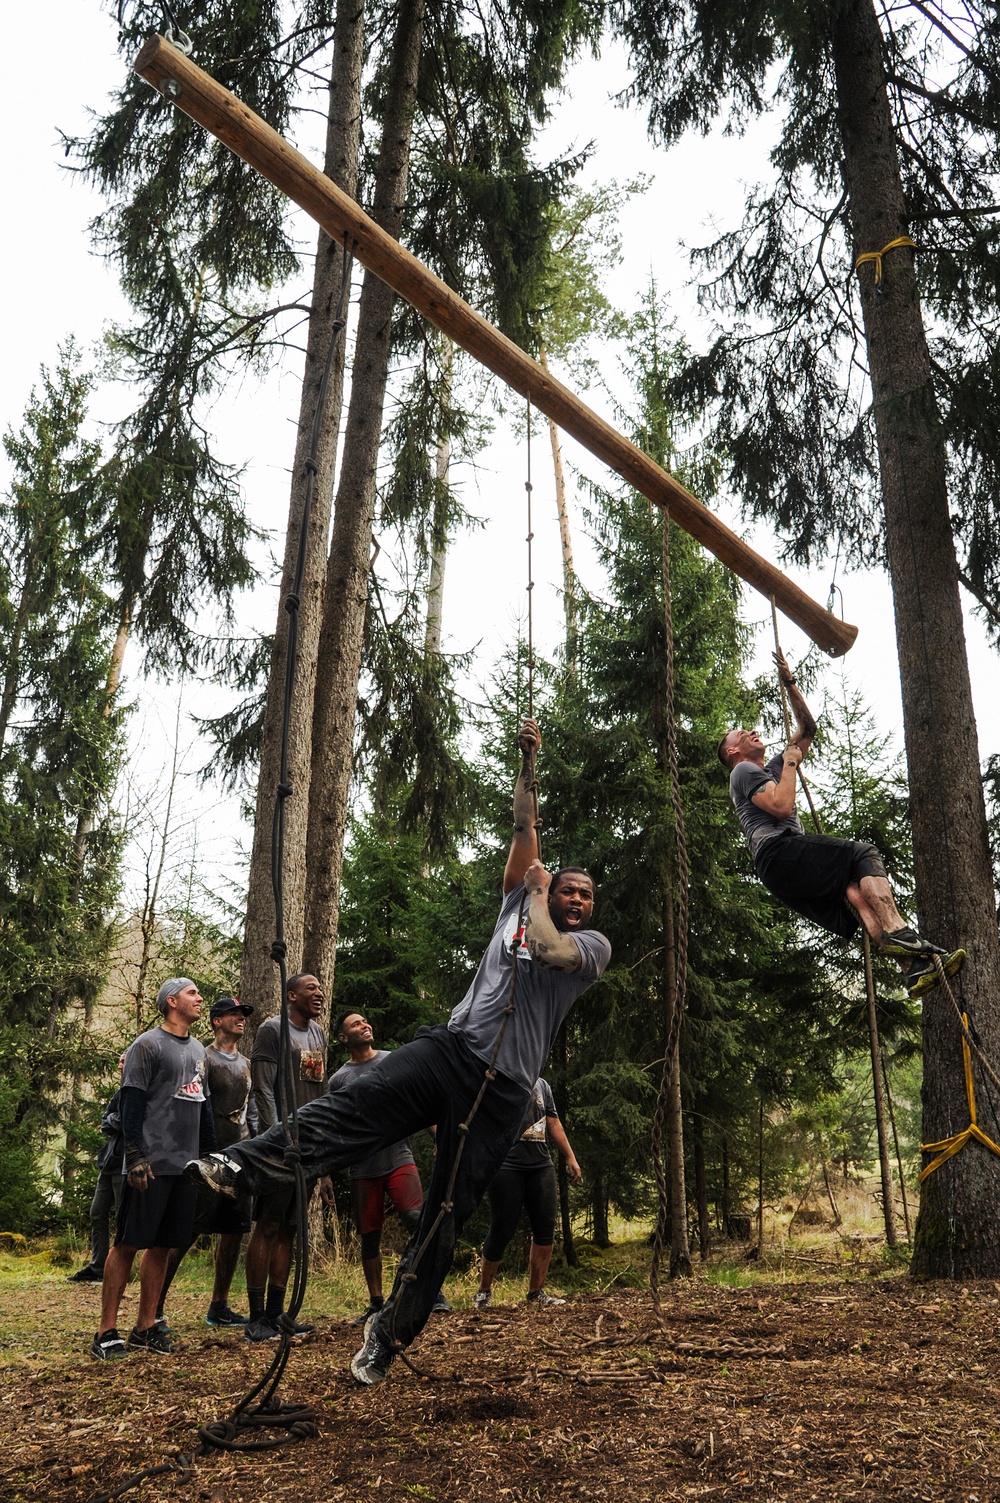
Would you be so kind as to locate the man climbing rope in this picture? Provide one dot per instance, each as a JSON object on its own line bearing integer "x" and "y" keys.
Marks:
{"x": 834, "y": 883}
{"x": 541, "y": 968}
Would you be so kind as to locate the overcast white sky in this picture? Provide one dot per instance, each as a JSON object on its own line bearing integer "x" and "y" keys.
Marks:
{"x": 54, "y": 286}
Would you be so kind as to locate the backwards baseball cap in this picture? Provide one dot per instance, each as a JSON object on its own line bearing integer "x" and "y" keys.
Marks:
{"x": 170, "y": 989}
{"x": 225, "y": 1005}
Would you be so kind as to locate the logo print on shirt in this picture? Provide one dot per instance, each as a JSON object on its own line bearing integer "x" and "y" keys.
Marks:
{"x": 194, "y": 1090}
{"x": 517, "y": 941}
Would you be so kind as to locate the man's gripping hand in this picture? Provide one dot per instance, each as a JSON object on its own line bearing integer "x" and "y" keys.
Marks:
{"x": 784, "y": 672}
{"x": 137, "y": 1169}
{"x": 792, "y": 754}
{"x": 529, "y": 737}
{"x": 537, "y": 879}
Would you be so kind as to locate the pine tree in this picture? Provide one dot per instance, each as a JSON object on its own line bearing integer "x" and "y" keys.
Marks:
{"x": 59, "y": 755}
{"x": 871, "y": 151}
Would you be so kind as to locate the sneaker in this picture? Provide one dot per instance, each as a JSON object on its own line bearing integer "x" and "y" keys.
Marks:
{"x": 261, "y": 1329}
{"x": 440, "y": 1305}
{"x": 907, "y": 942}
{"x": 152, "y": 1340}
{"x": 218, "y": 1172}
{"x": 373, "y": 1309}
{"x": 221, "y": 1315}
{"x": 88, "y": 1275}
{"x": 544, "y": 1298}
{"x": 371, "y": 1364}
{"x": 483, "y": 1299}
{"x": 923, "y": 976}
{"x": 107, "y": 1345}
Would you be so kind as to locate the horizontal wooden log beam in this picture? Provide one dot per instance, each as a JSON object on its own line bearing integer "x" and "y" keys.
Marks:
{"x": 198, "y": 95}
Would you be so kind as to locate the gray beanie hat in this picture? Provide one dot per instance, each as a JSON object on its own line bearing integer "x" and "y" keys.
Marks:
{"x": 170, "y": 989}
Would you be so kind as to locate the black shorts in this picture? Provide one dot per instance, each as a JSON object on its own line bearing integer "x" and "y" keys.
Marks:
{"x": 278, "y": 1207}
{"x": 217, "y": 1215}
{"x": 162, "y": 1215}
{"x": 811, "y": 874}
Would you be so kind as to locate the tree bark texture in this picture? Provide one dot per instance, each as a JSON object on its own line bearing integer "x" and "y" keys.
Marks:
{"x": 958, "y": 1231}
{"x": 349, "y": 566}
{"x": 258, "y": 976}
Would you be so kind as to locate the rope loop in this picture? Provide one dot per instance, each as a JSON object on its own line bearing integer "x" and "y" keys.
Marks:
{"x": 876, "y": 256}
{"x": 278, "y": 949}
{"x": 292, "y": 602}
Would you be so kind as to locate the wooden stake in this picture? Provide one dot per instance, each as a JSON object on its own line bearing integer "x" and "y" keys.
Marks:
{"x": 207, "y": 102}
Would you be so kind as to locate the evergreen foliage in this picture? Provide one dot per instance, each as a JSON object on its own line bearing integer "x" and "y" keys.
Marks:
{"x": 781, "y": 376}
{"x": 60, "y": 747}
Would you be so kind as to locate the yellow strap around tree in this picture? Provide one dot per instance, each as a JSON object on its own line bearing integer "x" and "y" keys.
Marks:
{"x": 949, "y": 1146}
{"x": 876, "y": 256}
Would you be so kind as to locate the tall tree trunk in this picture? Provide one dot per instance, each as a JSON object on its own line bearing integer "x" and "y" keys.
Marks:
{"x": 84, "y": 828}
{"x": 760, "y": 1175}
{"x": 726, "y": 1207}
{"x": 439, "y": 520}
{"x": 885, "y": 1167}
{"x": 348, "y": 567}
{"x": 958, "y": 1232}
{"x": 701, "y": 1187}
{"x": 257, "y": 973}
{"x": 599, "y": 1205}
{"x": 565, "y": 537}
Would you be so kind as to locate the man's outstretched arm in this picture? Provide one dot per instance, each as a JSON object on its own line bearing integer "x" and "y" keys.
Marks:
{"x": 524, "y": 845}
{"x": 805, "y": 725}
{"x": 546, "y": 945}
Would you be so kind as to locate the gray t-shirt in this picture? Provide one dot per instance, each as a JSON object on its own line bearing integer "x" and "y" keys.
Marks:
{"x": 745, "y": 780}
{"x": 308, "y": 1067}
{"x": 229, "y": 1088}
{"x": 542, "y": 996}
{"x": 379, "y": 1164}
{"x": 531, "y": 1150}
{"x": 172, "y": 1073}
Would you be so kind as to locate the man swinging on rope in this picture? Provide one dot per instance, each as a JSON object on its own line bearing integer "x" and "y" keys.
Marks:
{"x": 541, "y": 968}
{"x": 834, "y": 883}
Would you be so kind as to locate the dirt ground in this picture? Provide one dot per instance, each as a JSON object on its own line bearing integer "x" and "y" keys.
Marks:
{"x": 880, "y": 1389}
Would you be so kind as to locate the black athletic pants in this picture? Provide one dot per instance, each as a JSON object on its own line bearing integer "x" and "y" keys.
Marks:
{"x": 432, "y": 1080}
{"x": 517, "y": 1190}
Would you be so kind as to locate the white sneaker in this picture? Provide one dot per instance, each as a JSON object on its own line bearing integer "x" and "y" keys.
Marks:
{"x": 483, "y": 1299}
{"x": 542, "y": 1297}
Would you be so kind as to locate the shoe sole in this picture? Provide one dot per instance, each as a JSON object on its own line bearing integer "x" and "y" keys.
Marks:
{"x": 195, "y": 1174}
{"x": 951, "y": 966}
{"x": 114, "y": 1356}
